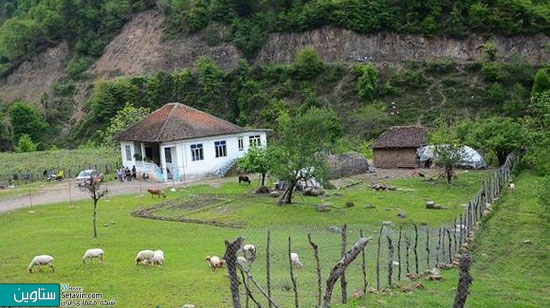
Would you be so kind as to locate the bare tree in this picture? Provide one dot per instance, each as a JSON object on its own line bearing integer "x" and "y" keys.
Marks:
{"x": 97, "y": 190}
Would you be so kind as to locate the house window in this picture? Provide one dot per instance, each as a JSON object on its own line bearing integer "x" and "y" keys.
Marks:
{"x": 128, "y": 153}
{"x": 241, "y": 143}
{"x": 255, "y": 141}
{"x": 221, "y": 148}
{"x": 197, "y": 152}
{"x": 168, "y": 155}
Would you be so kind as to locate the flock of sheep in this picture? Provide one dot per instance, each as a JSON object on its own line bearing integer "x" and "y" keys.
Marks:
{"x": 157, "y": 258}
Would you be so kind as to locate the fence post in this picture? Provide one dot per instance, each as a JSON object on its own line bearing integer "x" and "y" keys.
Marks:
{"x": 292, "y": 278}
{"x": 363, "y": 267}
{"x": 340, "y": 267}
{"x": 464, "y": 281}
{"x": 399, "y": 253}
{"x": 231, "y": 260}
{"x": 378, "y": 260}
{"x": 408, "y": 248}
{"x": 438, "y": 248}
{"x": 343, "y": 281}
{"x": 390, "y": 261}
{"x": 428, "y": 246}
{"x": 450, "y": 245}
{"x": 318, "y": 262}
{"x": 415, "y": 246}
{"x": 268, "y": 266}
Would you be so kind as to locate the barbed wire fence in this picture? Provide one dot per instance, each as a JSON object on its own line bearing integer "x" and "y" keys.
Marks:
{"x": 395, "y": 257}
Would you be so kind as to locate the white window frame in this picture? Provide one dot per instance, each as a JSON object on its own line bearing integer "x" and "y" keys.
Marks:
{"x": 220, "y": 148}
{"x": 255, "y": 140}
{"x": 128, "y": 150}
{"x": 240, "y": 141}
{"x": 197, "y": 152}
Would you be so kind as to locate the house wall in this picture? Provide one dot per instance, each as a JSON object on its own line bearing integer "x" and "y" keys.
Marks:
{"x": 393, "y": 158}
{"x": 183, "y": 166}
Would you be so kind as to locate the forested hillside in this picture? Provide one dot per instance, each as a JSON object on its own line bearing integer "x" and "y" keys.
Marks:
{"x": 389, "y": 68}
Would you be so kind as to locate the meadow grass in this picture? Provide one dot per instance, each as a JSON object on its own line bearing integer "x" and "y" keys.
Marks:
{"x": 66, "y": 232}
{"x": 510, "y": 260}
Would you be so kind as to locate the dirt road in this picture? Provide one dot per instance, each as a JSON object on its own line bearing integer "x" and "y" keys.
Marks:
{"x": 67, "y": 191}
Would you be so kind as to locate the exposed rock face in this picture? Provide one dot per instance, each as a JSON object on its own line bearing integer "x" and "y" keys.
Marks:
{"x": 339, "y": 45}
{"x": 36, "y": 77}
{"x": 140, "y": 50}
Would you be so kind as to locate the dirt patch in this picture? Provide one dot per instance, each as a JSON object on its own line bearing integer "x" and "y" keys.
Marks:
{"x": 381, "y": 175}
{"x": 175, "y": 210}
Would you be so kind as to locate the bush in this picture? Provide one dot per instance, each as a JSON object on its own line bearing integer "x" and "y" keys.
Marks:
{"x": 308, "y": 64}
{"x": 493, "y": 72}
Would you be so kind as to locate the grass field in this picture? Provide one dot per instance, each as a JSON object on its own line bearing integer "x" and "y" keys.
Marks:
{"x": 66, "y": 232}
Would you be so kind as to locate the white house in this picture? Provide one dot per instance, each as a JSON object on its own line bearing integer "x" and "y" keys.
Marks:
{"x": 186, "y": 142}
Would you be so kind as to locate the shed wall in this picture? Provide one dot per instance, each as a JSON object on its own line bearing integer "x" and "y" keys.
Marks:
{"x": 393, "y": 158}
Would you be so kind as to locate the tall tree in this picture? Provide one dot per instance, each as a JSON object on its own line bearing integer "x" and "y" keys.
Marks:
{"x": 447, "y": 148}
{"x": 123, "y": 119}
{"x": 300, "y": 153}
{"x": 25, "y": 119}
{"x": 97, "y": 191}
{"x": 498, "y": 135}
{"x": 256, "y": 160}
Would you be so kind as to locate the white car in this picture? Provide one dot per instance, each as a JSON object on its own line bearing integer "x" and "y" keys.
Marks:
{"x": 85, "y": 176}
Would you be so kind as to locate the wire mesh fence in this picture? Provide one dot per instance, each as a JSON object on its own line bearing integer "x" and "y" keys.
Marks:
{"x": 303, "y": 269}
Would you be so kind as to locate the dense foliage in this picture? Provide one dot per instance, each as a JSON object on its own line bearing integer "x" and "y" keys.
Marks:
{"x": 250, "y": 21}
{"x": 27, "y": 27}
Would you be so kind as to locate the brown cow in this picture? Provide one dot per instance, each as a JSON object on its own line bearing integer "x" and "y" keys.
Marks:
{"x": 156, "y": 191}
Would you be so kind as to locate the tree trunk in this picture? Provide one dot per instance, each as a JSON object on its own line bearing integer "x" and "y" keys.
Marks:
{"x": 449, "y": 173}
{"x": 263, "y": 179}
{"x": 286, "y": 197}
{"x": 95, "y": 218}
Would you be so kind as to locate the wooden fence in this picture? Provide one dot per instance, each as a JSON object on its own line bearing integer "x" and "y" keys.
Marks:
{"x": 407, "y": 251}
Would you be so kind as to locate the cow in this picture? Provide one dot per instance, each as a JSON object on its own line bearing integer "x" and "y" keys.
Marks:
{"x": 156, "y": 191}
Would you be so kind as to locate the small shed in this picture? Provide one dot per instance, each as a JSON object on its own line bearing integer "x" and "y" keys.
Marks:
{"x": 398, "y": 147}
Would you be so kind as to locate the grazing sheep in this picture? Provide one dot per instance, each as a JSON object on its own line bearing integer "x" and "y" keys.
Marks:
{"x": 41, "y": 260}
{"x": 145, "y": 256}
{"x": 215, "y": 262}
{"x": 156, "y": 191}
{"x": 512, "y": 187}
{"x": 295, "y": 260}
{"x": 249, "y": 252}
{"x": 93, "y": 253}
{"x": 158, "y": 258}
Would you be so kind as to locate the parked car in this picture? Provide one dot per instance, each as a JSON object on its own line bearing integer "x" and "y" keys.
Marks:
{"x": 85, "y": 176}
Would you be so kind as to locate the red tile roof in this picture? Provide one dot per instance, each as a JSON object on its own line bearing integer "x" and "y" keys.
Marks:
{"x": 175, "y": 121}
{"x": 401, "y": 137}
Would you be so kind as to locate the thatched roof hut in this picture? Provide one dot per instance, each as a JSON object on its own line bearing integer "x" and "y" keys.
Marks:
{"x": 397, "y": 147}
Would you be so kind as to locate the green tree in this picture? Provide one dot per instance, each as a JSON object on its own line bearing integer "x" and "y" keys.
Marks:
{"x": 448, "y": 149}
{"x": 256, "y": 160}
{"x": 542, "y": 81}
{"x": 300, "y": 152}
{"x": 123, "y": 119}
{"x": 25, "y": 119}
{"x": 25, "y": 144}
{"x": 498, "y": 135}
{"x": 538, "y": 123}
{"x": 209, "y": 79}
{"x": 308, "y": 64}
{"x": 367, "y": 82}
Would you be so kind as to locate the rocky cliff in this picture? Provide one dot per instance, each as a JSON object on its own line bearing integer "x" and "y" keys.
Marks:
{"x": 140, "y": 50}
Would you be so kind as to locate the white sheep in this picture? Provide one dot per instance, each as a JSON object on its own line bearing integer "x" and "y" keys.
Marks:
{"x": 249, "y": 252}
{"x": 295, "y": 260}
{"x": 158, "y": 257}
{"x": 41, "y": 260}
{"x": 512, "y": 187}
{"x": 215, "y": 262}
{"x": 93, "y": 253}
{"x": 145, "y": 256}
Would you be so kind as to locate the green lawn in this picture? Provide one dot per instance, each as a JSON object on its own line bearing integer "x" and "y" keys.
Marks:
{"x": 66, "y": 232}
